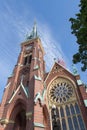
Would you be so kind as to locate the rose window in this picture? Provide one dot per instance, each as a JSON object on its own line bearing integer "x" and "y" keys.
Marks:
{"x": 61, "y": 92}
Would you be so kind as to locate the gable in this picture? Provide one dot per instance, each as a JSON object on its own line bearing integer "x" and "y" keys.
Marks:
{"x": 20, "y": 92}
{"x": 58, "y": 71}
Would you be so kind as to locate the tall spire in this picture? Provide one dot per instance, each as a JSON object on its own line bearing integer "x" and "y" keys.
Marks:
{"x": 33, "y": 34}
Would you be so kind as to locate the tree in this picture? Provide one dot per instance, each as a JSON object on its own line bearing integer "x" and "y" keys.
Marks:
{"x": 79, "y": 29}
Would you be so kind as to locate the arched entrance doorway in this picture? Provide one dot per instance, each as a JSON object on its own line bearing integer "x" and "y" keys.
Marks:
{"x": 20, "y": 121}
{"x": 18, "y": 115}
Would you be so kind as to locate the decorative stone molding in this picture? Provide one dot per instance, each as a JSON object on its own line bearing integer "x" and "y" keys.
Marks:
{"x": 85, "y": 102}
{"x": 38, "y": 96}
{"x": 36, "y": 67}
{"x": 26, "y": 93}
{"x": 29, "y": 115}
{"x": 37, "y": 78}
{"x": 15, "y": 92}
{"x": 35, "y": 58}
{"x": 8, "y": 85}
{"x": 6, "y": 121}
{"x": 20, "y": 64}
{"x": 57, "y": 71}
{"x": 38, "y": 125}
{"x": 43, "y": 93}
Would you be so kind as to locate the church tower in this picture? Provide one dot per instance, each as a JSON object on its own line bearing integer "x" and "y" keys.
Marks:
{"x": 36, "y": 100}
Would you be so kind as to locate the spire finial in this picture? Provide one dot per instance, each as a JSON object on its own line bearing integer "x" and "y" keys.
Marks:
{"x": 35, "y": 29}
{"x": 75, "y": 72}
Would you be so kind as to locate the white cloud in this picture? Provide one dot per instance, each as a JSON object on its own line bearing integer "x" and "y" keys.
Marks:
{"x": 52, "y": 47}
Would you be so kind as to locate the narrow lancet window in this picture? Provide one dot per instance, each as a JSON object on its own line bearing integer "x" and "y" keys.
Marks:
{"x": 27, "y": 60}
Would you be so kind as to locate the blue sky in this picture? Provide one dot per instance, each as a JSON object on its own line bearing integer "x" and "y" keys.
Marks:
{"x": 52, "y": 17}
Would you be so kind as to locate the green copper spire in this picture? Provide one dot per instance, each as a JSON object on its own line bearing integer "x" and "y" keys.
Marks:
{"x": 35, "y": 30}
{"x": 75, "y": 72}
{"x": 33, "y": 34}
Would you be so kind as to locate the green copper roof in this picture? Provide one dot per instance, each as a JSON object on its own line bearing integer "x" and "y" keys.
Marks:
{"x": 33, "y": 34}
{"x": 79, "y": 82}
{"x": 75, "y": 72}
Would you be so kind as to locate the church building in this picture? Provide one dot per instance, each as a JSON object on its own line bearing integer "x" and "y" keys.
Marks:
{"x": 36, "y": 100}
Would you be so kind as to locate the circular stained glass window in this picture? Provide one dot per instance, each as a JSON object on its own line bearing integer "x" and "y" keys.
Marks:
{"x": 61, "y": 92}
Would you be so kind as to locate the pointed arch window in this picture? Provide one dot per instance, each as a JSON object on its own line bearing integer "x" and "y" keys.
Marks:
{"x": 70, "y": 123}
{"x": 75, "y": 123}
{"x": 77, "y": 108}
{"x": 68, "y": 117}
{"x": 67, "y": 111}
{"x": 55, "y": 120}
{"x": 81, "y": 122}
{"x": 52, "y": 113}
{"x": 59, "y": 124}
{"x": 62, "y": 112}
{"x": 57, "y": 112}
{"x": 27, "y": 59}
{"x": 64, "y": 124}
{"x": 72, "y": 109}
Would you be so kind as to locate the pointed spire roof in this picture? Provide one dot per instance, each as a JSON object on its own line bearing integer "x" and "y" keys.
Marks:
{"x": 35, "y": 29}
{"x": 33, "y": 33}
{"x": 75, "y": 72}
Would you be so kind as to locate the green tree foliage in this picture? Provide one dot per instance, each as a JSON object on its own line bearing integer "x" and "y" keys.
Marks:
{"x": 79, "y": 29}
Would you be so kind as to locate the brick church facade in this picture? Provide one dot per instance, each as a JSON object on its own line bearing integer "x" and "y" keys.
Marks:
{"x": 36, "y": 100}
